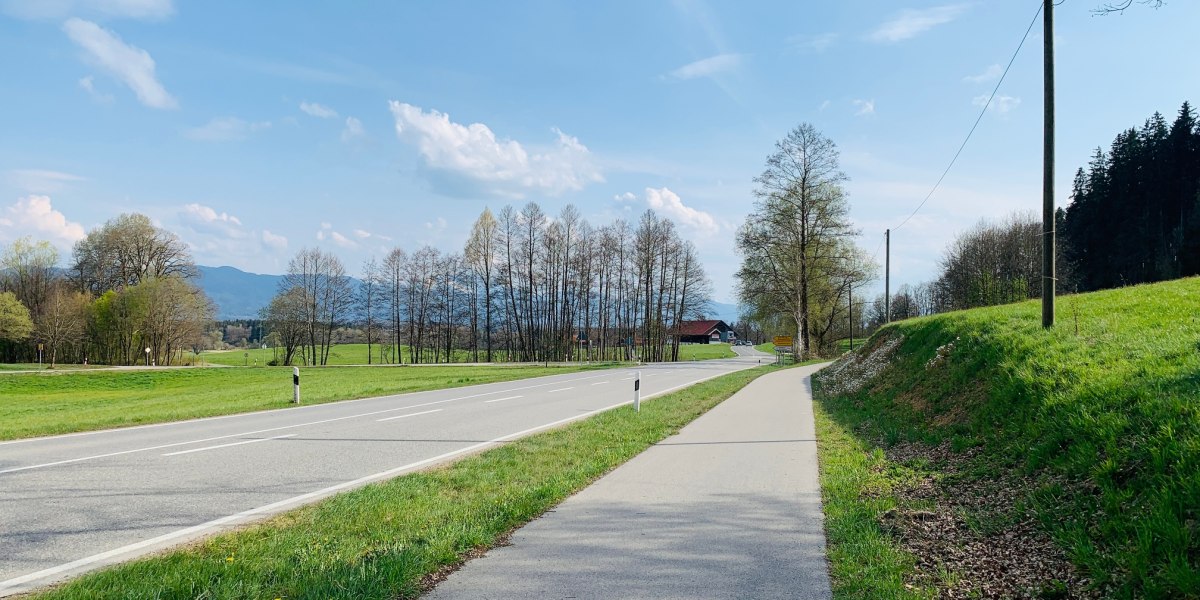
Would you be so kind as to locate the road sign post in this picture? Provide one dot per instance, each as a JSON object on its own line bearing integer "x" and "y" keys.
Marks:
{"x": 637, "y": 392}
{"x": 783, "y": 344}
{"x": 295, "y": 385}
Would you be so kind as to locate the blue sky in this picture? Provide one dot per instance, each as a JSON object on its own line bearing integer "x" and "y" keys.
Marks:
{"x": 255, "y": 129}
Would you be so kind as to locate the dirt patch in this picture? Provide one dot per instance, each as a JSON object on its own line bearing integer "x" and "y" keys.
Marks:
{"x": 975, "y": 537}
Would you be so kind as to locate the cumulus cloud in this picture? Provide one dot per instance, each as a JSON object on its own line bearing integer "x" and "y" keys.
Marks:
{"x": 342, "y": 240}
{"x": 40, "y": 181}
{"x": 470, "y": 159}
{"x": 992, "y": 73}
{"x": 865, "y": 107}
{"x": 707, "y": 67}
{"x": 129, "y": 64}
{"x": 225, "y": 129}
{"x": 626, "y": 197}
{"x": 669, "y": 204}
{"x": 354, "y": 129}
{"x": 318, "y": 110}
{"x": 1000, "y": 104}
{"x": 363, "y": 234}
{"x": 58, "y": 9}
{"x": 205, "y": 219}
{"x": 913, "y": 22}
{"x": 35, "y": 215}
{"x": 271, "y": 240}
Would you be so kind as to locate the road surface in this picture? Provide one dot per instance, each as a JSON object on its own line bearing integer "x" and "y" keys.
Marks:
{"x": 728, "y": 508}
{"x": 76, "y": 502}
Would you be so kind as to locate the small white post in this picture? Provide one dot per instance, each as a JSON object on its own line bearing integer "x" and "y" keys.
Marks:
{"x": 637, "y": 392}
{"x": 296, "y": 385}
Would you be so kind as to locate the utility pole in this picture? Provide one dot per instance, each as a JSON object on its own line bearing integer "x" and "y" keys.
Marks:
{"x": 1048, "y": 233}
{"x": 887, "y": 274}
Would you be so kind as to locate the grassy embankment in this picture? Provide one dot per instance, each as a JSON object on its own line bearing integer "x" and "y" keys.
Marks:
{"x": 1093, "y": 428}
{"x": 34, "y": 404}
{"x": 705, "y": 351}
{"x": 383, "y": 540}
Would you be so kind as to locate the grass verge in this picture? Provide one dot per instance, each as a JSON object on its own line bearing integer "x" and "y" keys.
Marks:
{"x": 383, "y": 540}
{"x": 34, "y": 404}
{"x": 705, "y": 351}
{"x": 1093, "y": 427}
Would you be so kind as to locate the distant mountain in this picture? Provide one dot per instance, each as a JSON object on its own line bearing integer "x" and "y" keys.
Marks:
{"x": 238, "y": 294}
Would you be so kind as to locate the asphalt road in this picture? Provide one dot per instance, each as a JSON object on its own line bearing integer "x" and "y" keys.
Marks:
{"x": 728, "y": 508}
{"x": 76, "y": 502}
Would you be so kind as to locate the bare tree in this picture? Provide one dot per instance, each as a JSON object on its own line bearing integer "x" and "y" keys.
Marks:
{"x": 62, "y": 321}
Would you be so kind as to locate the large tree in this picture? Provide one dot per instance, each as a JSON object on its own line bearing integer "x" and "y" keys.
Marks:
{"x": 795, "y": 240}
{"x": 126, "y": 250}
{"x": 27, "y": 270}
{"x": 63, "y": 320}
{"x": 15, "y": 323}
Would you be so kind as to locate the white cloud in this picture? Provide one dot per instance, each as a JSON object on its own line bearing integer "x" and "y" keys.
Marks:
{"x": 363, "y": 234}
{"x": 913, "y": 22}
{"x": 354, "y": 129}
{"x": 707, "y": 67}
{"x": 89, "y": 85}
{"x": 1000, "y": 104}
{"x": 34, "y": 215}
{"x": 992, "y": 73}
{"x": 278, "y": 242}
{"x": 437, "y": 225}
{"x": 626, "y": 197}
{"x": 342, "y": 240}
{"x": 318, "y": 110}
{"x": 40, "y": 180}
{"x": 130, "y": 64}
{"x": 824, "y": 105}
{"x": 813, "y": 43}
{"x": 225, "y": 129}
{"x": 469, "y": 159}
{"x": 58, "y": 9}
{"x": 205, "y": 219}
{"x": 669, "y": 204}
{"x": 865, "y": 107}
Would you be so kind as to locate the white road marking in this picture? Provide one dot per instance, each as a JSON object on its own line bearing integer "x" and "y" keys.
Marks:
{"x": 278, "y": 437}
{"x": 270, "y": 429}
{"x": 502, "y": 399}
{"x": 407, "y": 416}
{"x": 559, "y": 390}
{"x": 600, "y": 383}
{"x": 12, "y": 585}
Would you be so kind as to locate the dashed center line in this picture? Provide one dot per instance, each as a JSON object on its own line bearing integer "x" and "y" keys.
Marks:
{"x": 407, "y": 416}
{"x": 502, "y": 399}
{"x": 559, "y": 390}
{"x": 600, "y": 383}
{"x": 228, "y": 445}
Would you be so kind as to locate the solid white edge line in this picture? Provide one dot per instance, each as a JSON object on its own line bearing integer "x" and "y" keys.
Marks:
{"x": 502, "y": 399}
{"x": 7, "y": 587}
{"x": 278, "y": 437}
{"x": 407, "y": 416}
{"x": 44, "y": 438}
{"x": 282, "y": 427}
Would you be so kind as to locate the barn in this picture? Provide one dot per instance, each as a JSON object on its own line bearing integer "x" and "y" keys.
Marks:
{"x": 706, "y": 332}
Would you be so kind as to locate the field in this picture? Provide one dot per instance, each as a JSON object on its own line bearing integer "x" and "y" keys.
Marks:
{"x": 705, "y": 351}
{"x": 1081, "y": 443}
{"x": 384, "y": 540}
{"x": 37, "y": 404}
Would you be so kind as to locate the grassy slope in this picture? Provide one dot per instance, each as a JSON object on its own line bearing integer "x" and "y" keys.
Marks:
{"x": 1113, "y": 410}
{"x": 379, "y": 541}
{"x": 705, "y": 351}
{"x": 42, "y": 404}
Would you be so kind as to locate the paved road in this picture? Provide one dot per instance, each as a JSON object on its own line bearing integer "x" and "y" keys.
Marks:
{"x": 75, "y": 502}
{"x": 729, "y": 508}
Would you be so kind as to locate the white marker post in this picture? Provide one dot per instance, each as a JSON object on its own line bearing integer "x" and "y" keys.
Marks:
{"x": 637, "y": 392}
{"x": 295, "y": 385}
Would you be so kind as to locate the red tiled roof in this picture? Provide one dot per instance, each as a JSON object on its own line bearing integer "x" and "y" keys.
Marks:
{"x": 697, "y": 327}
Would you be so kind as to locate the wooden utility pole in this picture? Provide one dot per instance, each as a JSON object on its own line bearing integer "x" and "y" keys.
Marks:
{"x": 1048, "y": 275}
{"x": 887, "y": 274}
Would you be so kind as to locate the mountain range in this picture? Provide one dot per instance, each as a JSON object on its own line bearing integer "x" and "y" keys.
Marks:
{"x": 240, "y": 295}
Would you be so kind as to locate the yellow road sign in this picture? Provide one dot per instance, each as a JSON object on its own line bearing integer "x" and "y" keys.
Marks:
{"x": 783, "y": 340}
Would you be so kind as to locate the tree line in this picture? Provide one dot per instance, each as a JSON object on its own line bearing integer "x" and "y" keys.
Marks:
{"x": 525, "y": 287}
{"x": 128, "y": 297}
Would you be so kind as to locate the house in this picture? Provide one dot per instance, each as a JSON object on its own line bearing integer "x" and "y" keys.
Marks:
{"x": 706, "y": 332}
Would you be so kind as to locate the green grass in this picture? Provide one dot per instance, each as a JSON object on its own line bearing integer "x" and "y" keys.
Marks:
{"x": 340, "y": 354}
{"x": 379, "y": 541}
{"x": 1109, "y": 414}
{"x": 705, "y": 351}
{"x": 37, "y": 404}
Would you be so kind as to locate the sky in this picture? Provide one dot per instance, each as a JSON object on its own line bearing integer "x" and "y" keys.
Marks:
{"x": 255, "y": 129}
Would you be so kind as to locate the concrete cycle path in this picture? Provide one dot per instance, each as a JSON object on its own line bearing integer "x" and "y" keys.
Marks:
{"x": 728, "y": 508}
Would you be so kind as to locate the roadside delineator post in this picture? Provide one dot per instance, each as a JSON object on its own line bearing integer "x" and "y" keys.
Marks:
{"x": 637, "y": 392}
{"x": 295, "y": 385}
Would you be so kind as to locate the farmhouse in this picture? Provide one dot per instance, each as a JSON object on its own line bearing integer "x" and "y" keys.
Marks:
{"x": 705, "y": 332}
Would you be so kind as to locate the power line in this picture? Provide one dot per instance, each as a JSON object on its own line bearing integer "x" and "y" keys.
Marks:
{"x": 977, "y": 120}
